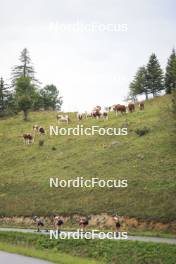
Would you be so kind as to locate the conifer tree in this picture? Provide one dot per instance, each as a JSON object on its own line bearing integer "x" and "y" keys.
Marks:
{"x": 154, "y": 82}
{"x": 170, "y": 76}
{"x": 4, "y": 92}
{"x": 139, "y": 83}
{"x": 24, "y": 69}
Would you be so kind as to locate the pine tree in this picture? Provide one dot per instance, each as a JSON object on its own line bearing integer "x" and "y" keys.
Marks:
{"x": 138, "y": 85}
{"x": 25, "y": 69}
{"x": 133, "y": 91}
{"x": 170, "y": 76}
{"x": 3, "y": 96}
{"x": 154, "y": 83}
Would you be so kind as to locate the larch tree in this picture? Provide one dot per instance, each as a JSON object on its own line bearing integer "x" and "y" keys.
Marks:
{"x": 24, "y": 69}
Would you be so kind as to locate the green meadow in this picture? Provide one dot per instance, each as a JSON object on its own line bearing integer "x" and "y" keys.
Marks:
{"x": 147, "y": 162}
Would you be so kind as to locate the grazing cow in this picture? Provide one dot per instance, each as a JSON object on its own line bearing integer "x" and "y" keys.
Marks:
{"x": 79, "y": 116}
{"x": 35, "y": 127}
{"x": 96, "y": 114}
{"x": 63, "y": 118}
{"x": 119, "y": 108}
{"x": 131, "y": 107}
{"x": 112, "y": 108}
{"x": 105, "y": 115}
{"x": 39, "y": 129}
{"x": 28, "y": 138}
{"x": 141, "y": 106}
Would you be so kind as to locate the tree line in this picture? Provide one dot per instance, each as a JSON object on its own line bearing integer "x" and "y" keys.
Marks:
{"x": 150, "y": 79}
{"x": 24, "y": 93}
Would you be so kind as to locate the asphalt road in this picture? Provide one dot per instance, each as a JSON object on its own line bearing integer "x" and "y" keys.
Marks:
{"x": 71, "y": 234}
{"x": 9, "y": 258}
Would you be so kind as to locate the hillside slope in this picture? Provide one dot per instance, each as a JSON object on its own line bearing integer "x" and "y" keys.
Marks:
{"x": 148, "y": 162}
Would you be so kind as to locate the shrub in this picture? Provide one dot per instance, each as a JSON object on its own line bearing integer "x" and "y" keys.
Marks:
{"x": 41, "y": 142}
{"x": 53, "y": 148}
{"x": 142, "y": 131}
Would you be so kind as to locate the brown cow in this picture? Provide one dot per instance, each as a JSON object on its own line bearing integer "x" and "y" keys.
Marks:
{"x": 141, "y": 106}
{"x": 131, "y": 107}
{"x": 119, "y": 108}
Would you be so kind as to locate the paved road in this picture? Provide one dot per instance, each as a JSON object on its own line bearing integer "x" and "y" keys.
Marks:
{"x": 9, "y": 258}
{"x": 132, "y": 238}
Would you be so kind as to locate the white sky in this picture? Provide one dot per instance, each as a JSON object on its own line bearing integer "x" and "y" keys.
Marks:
{"x": 89, "y": 68}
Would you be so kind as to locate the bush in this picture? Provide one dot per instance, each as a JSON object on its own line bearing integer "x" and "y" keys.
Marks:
{"x": 41, "y": 142}
{"x": 53, "y": 148}
{"x": 142, "y": 131}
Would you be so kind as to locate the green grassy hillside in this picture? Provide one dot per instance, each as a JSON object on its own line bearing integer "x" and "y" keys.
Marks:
{"x": 147, "y": 162}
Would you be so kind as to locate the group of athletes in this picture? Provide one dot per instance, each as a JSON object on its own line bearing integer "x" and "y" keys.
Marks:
{"x": 58, "y": 222}
{"x": 83, "y": 223}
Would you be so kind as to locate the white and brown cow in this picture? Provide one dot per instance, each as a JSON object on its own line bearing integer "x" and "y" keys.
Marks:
{"x": 97, "y": 114}
{"x": 105, "y": 115}
{"x": 63, "y": 118}
{"x": 28, "y": 138}
{"x": 79, "y": 116}
{"x": 39, "y": 129}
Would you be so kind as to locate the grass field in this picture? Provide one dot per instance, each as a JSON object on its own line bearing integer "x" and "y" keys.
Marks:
{"x": 60, "y": 258}
{"x": 87, "y": 251}
{"x": 148, "y": 162}
{"x": 49, "y": 255}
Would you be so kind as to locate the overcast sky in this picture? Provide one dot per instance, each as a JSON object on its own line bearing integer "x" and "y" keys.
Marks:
{"x": 90, "y": 49}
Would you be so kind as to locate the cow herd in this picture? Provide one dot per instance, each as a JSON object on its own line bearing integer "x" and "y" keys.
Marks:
{"x": 96, "y": 113}
{"x": 123, "y": 109}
